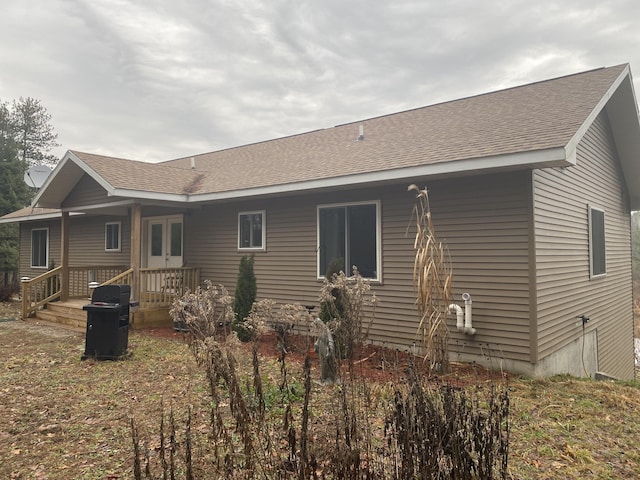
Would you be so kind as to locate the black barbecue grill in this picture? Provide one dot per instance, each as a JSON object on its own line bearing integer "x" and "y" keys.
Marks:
{"x": 107, "y": 334}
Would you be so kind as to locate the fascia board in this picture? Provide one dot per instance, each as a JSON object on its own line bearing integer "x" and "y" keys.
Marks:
{"x": 573, "y": 143}
{"x": 28, "y": 218}
{"x": 92, "y": 173}
{"x": 100, "y": 206}
{"x": 41, "y": 216}
{"x": 147, "y": 195}
{"x": 51, "y": 177}
{"x": 69, "y": 156}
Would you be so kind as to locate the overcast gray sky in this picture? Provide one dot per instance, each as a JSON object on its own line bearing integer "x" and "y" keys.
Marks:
{"x": 159, "y": 79}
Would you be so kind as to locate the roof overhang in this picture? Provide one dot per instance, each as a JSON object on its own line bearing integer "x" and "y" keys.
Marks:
{"x": 622, "y": 110}
{"x": 71, "y": 169}
{"x": 556, "y": 157}
{"x": 61, "y": 181}
{"x": 34, "y": 216}
{"x": 68, "y": 173}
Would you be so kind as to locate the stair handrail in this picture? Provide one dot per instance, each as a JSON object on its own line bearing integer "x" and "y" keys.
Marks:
{"x": 124, "y": 278}
{"x": 40, "y": 290}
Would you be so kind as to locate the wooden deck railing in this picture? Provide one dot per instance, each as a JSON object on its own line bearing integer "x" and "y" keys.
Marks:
{"x": 41, "y": 290}
{"x": 160, "y": 286}
{"x": 80, "y": 277}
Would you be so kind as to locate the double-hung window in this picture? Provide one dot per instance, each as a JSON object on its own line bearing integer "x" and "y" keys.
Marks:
{"x": 112, "y": 236}
{"x": 252, "y": 230}
{"x": 39, "y": 247}
{"x": 597, "y": 250}
{"x": 349, "y": 235}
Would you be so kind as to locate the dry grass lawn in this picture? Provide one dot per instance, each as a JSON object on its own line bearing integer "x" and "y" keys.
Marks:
{"x": 63, "y": 418}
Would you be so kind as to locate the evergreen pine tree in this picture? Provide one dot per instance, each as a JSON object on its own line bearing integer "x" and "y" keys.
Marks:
{"x": 14, "y": 193}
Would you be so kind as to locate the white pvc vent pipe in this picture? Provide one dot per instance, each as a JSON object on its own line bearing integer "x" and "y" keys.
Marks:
{"x": 459, "y": 315}
{"x": 464, "y": 320}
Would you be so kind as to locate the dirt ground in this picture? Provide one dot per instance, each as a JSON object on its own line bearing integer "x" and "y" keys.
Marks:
{"x": 9, "y": 310}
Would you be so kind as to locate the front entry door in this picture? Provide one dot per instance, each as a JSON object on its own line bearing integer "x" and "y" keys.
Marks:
{"x": 164, "y": 247}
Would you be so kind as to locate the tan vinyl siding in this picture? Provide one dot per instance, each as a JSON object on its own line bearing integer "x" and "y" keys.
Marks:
{"x": 86, "y": 246}
{"x": 86, "y": 192}
{"x": 25, "y": 246}
{"x": 484, "y": 220}
{"x": 87, "y": 241}
{"x": 564, "y": 288}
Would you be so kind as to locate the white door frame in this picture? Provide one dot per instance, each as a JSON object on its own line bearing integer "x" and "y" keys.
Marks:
{"x": 168, "y": 250}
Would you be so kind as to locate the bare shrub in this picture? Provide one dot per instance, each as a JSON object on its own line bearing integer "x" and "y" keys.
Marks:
{"x": 8, "y": 291}
{"x": 433, "y": 282}
{"x": 260, "y": 427}
{"x": 349, "y": 313}
{"x": 245, "y": 442}
{"x": 438, "y": 431}
{"x": 205, "y": 313}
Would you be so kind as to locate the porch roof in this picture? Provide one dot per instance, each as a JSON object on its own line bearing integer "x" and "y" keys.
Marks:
{"x": 532, "y": 126}
{"x": 31, "y": 213}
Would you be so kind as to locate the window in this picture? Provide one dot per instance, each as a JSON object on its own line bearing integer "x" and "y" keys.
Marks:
{"x": 39, "y": 247}
{"x": 597, "y": 250}
{"x": 175, "y": 247}
{"x": 112, "y": 236}
{"x": 251, "y": 230}
{"x": 156, "y": 239}
{"x": 350, "y": 235}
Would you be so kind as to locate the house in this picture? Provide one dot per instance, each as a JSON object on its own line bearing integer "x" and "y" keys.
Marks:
{"x": 531, "y": 188}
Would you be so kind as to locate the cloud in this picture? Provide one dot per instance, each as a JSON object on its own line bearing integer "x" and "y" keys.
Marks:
{"x": 161, "y": 79}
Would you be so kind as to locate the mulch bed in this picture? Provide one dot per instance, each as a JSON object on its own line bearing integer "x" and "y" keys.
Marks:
{"x": 373, "y": 362}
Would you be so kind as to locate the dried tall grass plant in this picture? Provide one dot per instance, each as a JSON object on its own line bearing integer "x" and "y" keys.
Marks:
{"x": 433, "y": 282}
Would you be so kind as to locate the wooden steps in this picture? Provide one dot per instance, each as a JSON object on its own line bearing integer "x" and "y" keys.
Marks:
{"x": 70, "y": 314}
{"x": 67, "y": 313}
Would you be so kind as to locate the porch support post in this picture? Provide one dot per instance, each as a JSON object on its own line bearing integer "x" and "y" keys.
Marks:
{"x": 64, "y": 257}
{"x": 136, "y": 230}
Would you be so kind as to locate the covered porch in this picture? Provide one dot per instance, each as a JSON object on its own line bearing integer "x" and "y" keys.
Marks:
{"x": 155, "y": 291}
{"x": 154, "y": 284}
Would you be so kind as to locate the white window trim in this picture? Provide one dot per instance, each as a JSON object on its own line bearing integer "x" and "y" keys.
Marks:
{"x": 106, "y": 226}
{"x": 46, "y": 265}
{"x": 263, "y": 248}
{"x": 377, "y": 203}
{"x": 591, "y": 208}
